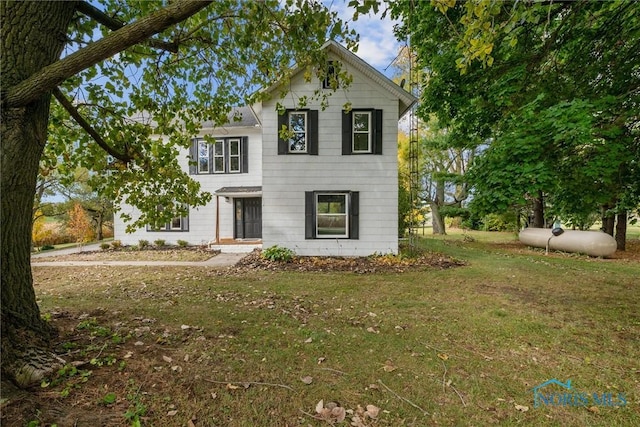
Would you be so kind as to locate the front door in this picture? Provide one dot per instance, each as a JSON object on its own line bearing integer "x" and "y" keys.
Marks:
{"x": 248, "y": 218}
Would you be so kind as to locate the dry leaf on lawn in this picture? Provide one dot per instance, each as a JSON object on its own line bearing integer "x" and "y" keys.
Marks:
{"x": 232, "y": 387}
{"x": 522, "y": 408}
{"x": 167, "y": 359}
{"x": 388, "y": 366}
{"x": 372, "y": 411}
{"x": 443, "y": 356}
{"x": 307, "y": 380}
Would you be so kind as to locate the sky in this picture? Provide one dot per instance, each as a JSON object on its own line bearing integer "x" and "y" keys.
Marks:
{"x": 378, "y": 45}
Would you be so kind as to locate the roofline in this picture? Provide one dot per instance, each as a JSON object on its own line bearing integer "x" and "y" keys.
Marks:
{"x": 407, "y": 100}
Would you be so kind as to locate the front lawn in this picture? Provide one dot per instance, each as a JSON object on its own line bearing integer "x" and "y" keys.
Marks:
{"x": 457, "y": 346}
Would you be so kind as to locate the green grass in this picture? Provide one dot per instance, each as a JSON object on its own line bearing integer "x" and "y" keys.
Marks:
{"x": 461, "y": 346}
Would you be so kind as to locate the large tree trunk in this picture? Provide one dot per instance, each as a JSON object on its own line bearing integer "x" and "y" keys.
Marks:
{"x": 608, "y": 220}
{"x": 437, "y": 221}
{"x": 33, "y": 35}
{"x": 538, "y": 211}
{"x": 621, "y": 231}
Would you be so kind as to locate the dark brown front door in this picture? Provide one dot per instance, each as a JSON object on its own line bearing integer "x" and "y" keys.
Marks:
{"x": 248, "y": 218}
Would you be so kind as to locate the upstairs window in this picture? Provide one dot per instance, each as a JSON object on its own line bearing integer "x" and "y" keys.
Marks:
{"x": 362, "y": 131}
{"x": 222, "y": 156}
{"x": 301, "y": 129}
{"x": 298, "y": 128}
{"x": 331, "y": 78}
{"x": 203, "y": 156}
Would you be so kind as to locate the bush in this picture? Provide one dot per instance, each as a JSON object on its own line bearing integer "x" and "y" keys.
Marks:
{"x": 183, "y": 243}
{"x": 105, "y": 246}
{"x": 142, "y": 244}
{"x": 159, "y": 242}
{"x": 499, "y": 222}
{"x": 278, "y": 254}
{"x": 116, "y": 244}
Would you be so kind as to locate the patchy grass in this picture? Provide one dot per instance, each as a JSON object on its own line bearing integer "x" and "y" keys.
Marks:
{"x": 465, "y": 345}
{"x": 148, "y": 254}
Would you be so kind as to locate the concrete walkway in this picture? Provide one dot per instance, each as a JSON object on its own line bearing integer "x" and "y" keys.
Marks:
{"x": 217, "y": 261}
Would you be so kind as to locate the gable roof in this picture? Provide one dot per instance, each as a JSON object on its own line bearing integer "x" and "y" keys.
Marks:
{"x": 405, "y": 99}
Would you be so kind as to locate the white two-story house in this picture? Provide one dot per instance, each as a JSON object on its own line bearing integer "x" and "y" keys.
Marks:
{"x": 330, "y": 188}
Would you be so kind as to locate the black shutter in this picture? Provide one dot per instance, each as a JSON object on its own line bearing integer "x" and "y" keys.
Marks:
{"x": 282, "y": 121}
{"x": 312, "y": 127}
{"x": 212, "y": 149}
{"x": 377, "y": 132}
{"x": 193, "y": 157}
{"x": 244, "y": 152}
{"x": 185, "y": 223}
{"x": 347, "y": 132}
{"x": 309, "y": 215}
{"x": 354, "y": 215}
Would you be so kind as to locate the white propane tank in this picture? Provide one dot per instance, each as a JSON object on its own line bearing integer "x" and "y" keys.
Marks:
{"x": 593, "y": 243}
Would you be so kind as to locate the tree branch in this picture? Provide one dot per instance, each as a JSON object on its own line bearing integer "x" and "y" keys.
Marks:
{"x": 87, "y": 127}
{"x": 51, "y": 76}
{"x": 115, "y": 24}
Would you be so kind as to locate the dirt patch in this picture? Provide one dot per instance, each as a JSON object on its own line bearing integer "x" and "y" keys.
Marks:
{"x": 147, "y": 254}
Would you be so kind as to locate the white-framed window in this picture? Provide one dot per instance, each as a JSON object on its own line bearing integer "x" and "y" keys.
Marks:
{"x": 203, "y": 156}
{"x": 218, "y": 156}
{"x": 178, "y": 223}
{"x": 332, "y": 214}
{"x": 235, "y": 162}
{"x": 298, "y": 127}
{"x": 361, "y": 132}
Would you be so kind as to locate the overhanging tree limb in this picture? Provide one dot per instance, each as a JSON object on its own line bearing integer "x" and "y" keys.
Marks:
{"x": 87, "y": 127}
{"x": 115, "y": 24}
{"x": 51, "y": 76}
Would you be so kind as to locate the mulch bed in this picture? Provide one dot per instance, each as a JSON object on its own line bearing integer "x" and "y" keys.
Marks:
{"x": 361, "y": 265}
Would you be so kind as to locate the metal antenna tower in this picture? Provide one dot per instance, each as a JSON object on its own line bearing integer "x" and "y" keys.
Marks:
{"x": 415, "y": 88}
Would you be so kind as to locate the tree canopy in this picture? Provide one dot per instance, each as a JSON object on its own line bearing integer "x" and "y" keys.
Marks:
{"x": 122, "y": 74}
{"x": 549, "y": 91}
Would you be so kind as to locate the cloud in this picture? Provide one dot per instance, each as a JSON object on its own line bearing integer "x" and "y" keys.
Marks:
{"x": 378, "y": 44}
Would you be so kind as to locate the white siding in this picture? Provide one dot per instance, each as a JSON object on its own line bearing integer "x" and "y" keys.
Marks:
{"x": 286, "y": 178}
{"x": 202, "y": 220}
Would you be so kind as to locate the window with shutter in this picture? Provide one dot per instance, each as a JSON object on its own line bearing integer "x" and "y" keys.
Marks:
{"x": 362, "y": 131}
{"x": 332, "y": 215}
{"x": 301, "y": 129}
{"x": 223, "y": 156}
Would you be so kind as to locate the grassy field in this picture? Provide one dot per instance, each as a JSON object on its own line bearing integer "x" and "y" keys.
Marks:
{"x": 459, "y": 346}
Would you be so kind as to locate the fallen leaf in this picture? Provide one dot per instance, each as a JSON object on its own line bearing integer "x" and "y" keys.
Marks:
{"x": 372, "y": 411}
{"x": 320, "y": 406}
{"x": 321, "y": 359}
{"x": 593, "y": 409}
{"x": 232, "y": 387}
{"x": 388, "y": 366}
{"x": 214, "y": 395}
{"x": 167, "y": 359}
{"x": 338, "y": 413}
{"x": 172, "y": 413}
{"x": 443, "y": 356}
{"x": 307, "y": 379}
{"x": 522, "y": 408}
{"x": 128, "y": 355}
{"x": 308, "y": 340}
{"x": 185, "y": 327}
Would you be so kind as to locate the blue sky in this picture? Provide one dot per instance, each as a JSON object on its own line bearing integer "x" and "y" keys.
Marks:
{"x": 378, "y": 44}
